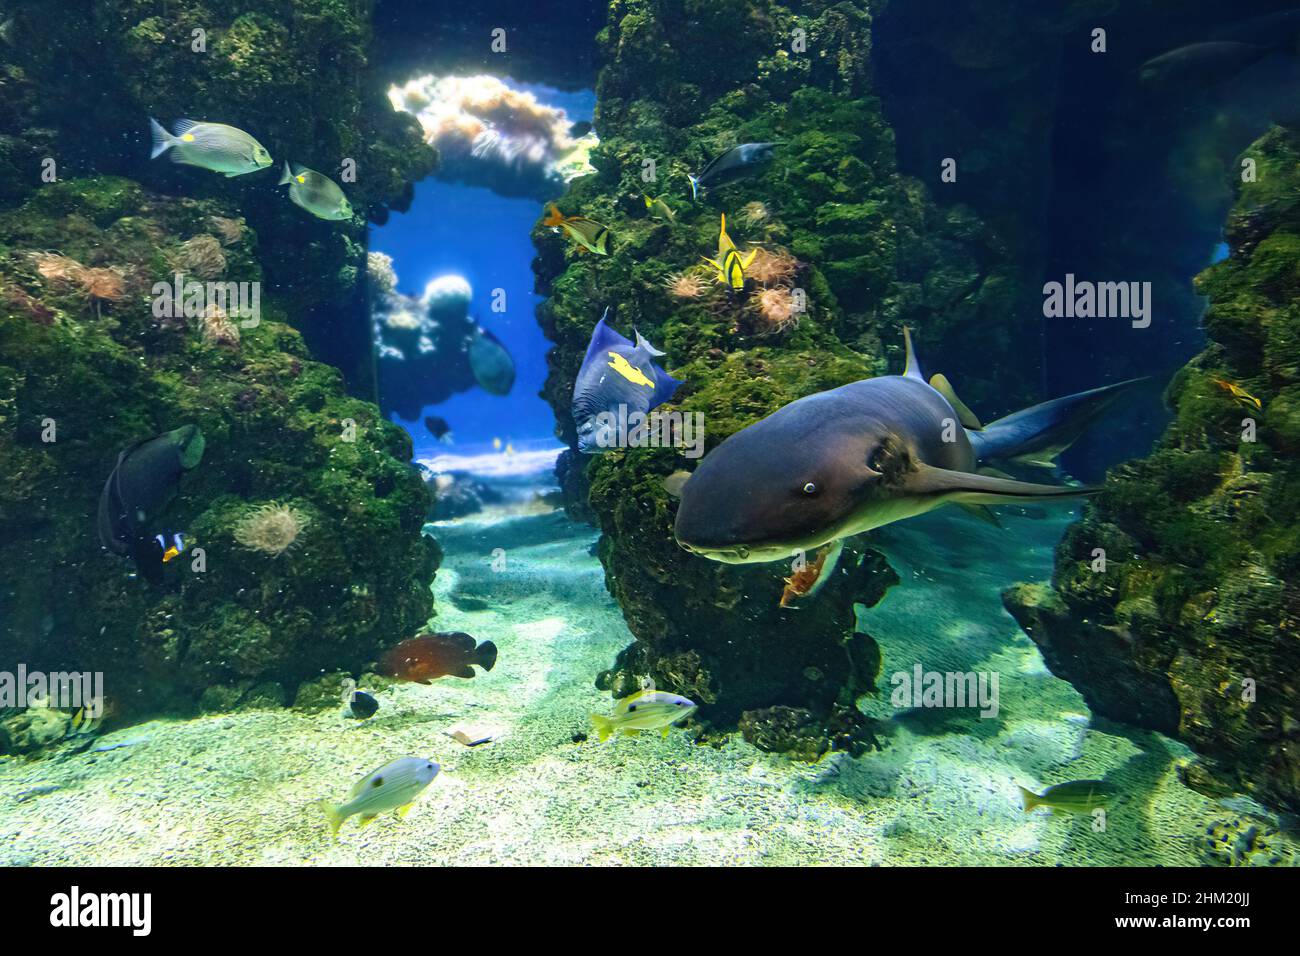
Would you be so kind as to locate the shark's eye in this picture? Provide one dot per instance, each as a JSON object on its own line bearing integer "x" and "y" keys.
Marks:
{"x": 810, "y": 489}
{"x": 876, "y": 460}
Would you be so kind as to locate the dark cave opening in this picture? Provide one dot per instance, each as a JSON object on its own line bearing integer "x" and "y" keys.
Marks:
{"x": 1082, "y": 167}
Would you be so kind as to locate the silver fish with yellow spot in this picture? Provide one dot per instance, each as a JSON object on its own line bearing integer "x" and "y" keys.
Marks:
{"x": 394, "y": 786}
{"x": 315, "y": 192}
{"x": 647, "y": 709}
{"x": 214, "y": 146}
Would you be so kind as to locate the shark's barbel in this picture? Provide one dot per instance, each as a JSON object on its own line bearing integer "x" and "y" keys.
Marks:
{"x": 844, "y": 461}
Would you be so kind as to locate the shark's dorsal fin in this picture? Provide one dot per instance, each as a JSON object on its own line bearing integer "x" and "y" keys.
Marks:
{"x": 941, "y": 385}
{"x": 913, "y": 369}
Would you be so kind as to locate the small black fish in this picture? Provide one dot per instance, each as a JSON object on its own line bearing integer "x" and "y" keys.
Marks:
{"x": 362, "y": 705}
{"x": 438, "y": 427}
{"x": 491, "y": 363}
{"x": 736, "y": 163}
{"x": 138, "y": 490}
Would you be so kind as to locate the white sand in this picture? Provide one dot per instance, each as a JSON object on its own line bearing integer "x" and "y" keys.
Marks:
{"x": 241, "y": 788}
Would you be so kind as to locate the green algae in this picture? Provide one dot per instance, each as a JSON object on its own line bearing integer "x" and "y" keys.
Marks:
{"x": 1201, "y": 537}
{"x": 279, "y": 427}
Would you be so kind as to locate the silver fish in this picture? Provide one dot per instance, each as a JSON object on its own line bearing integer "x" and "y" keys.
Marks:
{"x": 394, "y": 786}
{"x": 214, "y": 146}
{"x": 316, "y": 193}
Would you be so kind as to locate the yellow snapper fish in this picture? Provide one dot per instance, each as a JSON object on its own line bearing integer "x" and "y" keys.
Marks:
{"x": 731, "y": 265}
{"x": 659, "y": 208}
{"x": 315, "y": 192}
{"x": 1076, "y": 796}
{"x": 647, "y": 709}
{"x": 214, "y": 146}
{"x": 394, "y": 786}
{"x": 590, "y": 235}
{"x": 629, "y": 371}
{"x": 1242, "y": 396}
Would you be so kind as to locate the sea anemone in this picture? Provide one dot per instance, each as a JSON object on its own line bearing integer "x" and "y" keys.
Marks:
{"x": 229, "y": 231}
{"x": 685, "y": 285}
{"x": 95, "y": 285}
{"x": 777, "y": 309}
{"x": 772, "y": 268}
{"x": 217, "y": 328}
{"x": 754, "y": 214}
{"x": 103, "y": 285}
{"x": 200, "y": 257}
{"x": 59, "y": 271}
{"x": 271, "y": 528}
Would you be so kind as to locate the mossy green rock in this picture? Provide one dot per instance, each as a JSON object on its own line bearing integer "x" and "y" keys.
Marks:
{"x": 82, "y": 376}
{"x": 1196, "y": 609}
{"x": 867, "y": 250}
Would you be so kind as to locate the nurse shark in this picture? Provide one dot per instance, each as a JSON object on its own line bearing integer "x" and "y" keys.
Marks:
{"x": 844, "y": 461}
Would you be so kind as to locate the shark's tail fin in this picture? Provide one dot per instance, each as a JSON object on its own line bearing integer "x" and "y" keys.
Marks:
{"x": 1035, "y": 436}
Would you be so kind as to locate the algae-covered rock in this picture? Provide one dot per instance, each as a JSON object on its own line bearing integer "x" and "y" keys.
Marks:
{"x": 296, "y": 74}
{"x": 1176, "y": 603}
{"x": 89, "y": 365}
{"x": 850, "y": 252}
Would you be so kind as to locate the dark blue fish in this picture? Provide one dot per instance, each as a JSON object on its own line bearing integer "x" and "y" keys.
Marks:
{"x": 361, "y": 705}
{"x": 737, "y": 162}
{"x": 491, "y": 363}
{"x": 138, "y": 489}
{"x": 618, "y": 379}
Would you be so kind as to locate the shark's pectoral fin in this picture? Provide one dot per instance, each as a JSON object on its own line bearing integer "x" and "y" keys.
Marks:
{"x": 968, "y": 419}
{"x": 968, "y": 488}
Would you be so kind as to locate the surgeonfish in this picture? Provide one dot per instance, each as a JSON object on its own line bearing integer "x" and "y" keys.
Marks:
{"x": 590, "y": 235}
{"x": 491, "y": 362}
{"x": 171, "y": 546}
{"x": 841, "y": 462}
{"x": 736, "y": 163}
{"x": 315, "y": 192}
{"x": 214, "y": 146}
{"x": 731, "y": 265}
{"x": 617, "y": 379}
{"x": 394, "y": 786}
{"x": 425, "y": 658}
{"x": 648, "y": 709}
{"x": 1077, "y": 796}
{"x": 138, "y": 489}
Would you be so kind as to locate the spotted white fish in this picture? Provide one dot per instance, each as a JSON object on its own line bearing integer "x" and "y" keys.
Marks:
{"x": 648, "y": 709}
{"x": 394, "y": 786}
{"x": 214, "y": 146}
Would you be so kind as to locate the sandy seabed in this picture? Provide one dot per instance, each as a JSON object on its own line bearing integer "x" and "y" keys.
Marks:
{"x": 241, "y": 788}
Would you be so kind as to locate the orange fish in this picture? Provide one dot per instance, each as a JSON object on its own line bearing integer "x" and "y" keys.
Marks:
{"x": 427, "y": 657}
{"x": 1240, "y": 394}
{"x": 808, "y": 580}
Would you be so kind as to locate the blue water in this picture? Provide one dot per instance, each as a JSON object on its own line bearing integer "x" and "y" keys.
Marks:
{"x": 473, "y": 232}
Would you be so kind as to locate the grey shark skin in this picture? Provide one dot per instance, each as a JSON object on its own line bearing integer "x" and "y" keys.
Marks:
{"x": 844, "y": 461}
